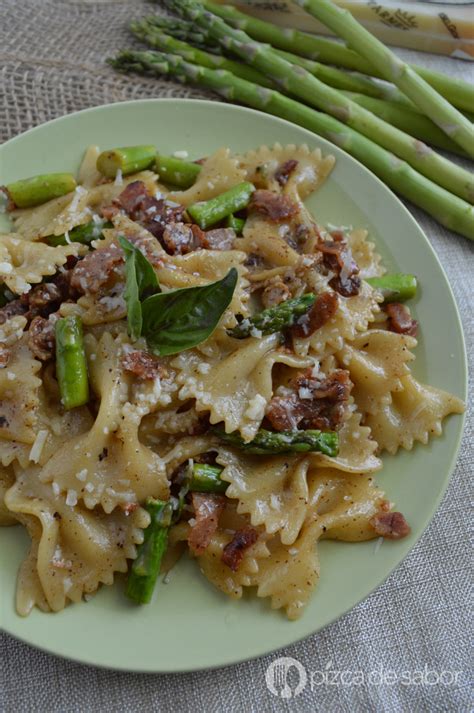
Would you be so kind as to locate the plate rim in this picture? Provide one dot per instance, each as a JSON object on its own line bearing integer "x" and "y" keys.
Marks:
{"x": 328, "y": 146}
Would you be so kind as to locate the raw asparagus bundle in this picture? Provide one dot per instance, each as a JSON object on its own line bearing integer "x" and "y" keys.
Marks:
{"x": 273, "y": 319}
{"x": 275, "y": 442}
{"x": 447, "y": 208}
{"x": 312, "y": 91}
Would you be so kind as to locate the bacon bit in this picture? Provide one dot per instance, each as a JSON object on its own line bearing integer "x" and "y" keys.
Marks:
{"x": 323, "y": 409}
{"x": 143, "y": 364}
{"x": 61, "y": 563}
{"x": 274, "y": 206}
{"x": 110, "y": 211}
{"x": 179, "y": 238}
{"x": 4, "y": 357}
{"x": 337, "y": 257}
{"x": 275, "y": 293}
{"x": 11, "y": 309}
{"x": 319, "y": 313}
{"x": 152, "y": 213}
{"x": 128, "y": 508}
{"x": 207, "y": 509}
{"x": 400, "y": 320}
{"x": 284, "y": 171}
{"x": 218, "y": 239}
{"x": 41, "y": 338}
{"x": 97, "y": 270}
{"x": 391, "y": 525}
{"x": 233, "y": 552}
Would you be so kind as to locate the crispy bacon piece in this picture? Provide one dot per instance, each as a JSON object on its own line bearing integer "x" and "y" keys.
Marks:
{"x": 180, "y": 238}
{"x": 337, "y": 257}
{"x": 400, "y": 320}
{"x": 391, "y": 525}
{"x": 233, "y": 552}
{"x": 275, "y": 293}
{"x": 41, "y": 338}
{"x": 313, "y": 403}
{"x": 12, "y": 309}
{"x": 142, "y": 364}
{"x": 274, "y": 206}
{"x": 4, "y": 357}
{"x": 321, "y": 312}
{"x": 284, "y": 171}
{"x": 98, "y": 269}
{"x": 207, "y": 510}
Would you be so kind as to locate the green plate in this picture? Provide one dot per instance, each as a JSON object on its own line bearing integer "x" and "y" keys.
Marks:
{"x": 190, "y": 625}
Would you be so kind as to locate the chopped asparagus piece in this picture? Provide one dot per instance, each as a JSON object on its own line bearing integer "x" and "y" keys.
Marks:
{"x": 207, "y": 479}
{"x": 274, "y": 442}
{"x": 236, "y": 223}
{"x": 398, "y": 287}
{"x": 274, "y": 319}
{"x": 129, "y": 159}
{"x": 146, "y": 567}
{"x": 212, "y": 211}
{"x": 83, "y": 234}
{"x": 39, "y": 189}
{"x": 176, "y": 172}
{"x": 71, "y": 365}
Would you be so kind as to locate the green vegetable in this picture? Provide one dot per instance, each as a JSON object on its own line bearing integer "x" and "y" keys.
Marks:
{"x": 146, "y": 567}
{"x": 176, "y": 172}
{"x": 180, "y": 319}
{"x": 393, "y": 69}
{"x": 273, "y": 442}
{"x": 209, "y": 212}
{"x": 235, "y": 223}
{"x": 71, "y": 365}
{"x": 456, "y": 91}
{"x": 83, "y": 234}
{"x": 207, "y": 479}
{"x": 397, "y": 287}
{"x": 274, "y": 319}
{"x": 129, "y": 159}
{"x": 39, "y": 189}
{"x": 446, "y": 208}
{"x": 304, "y": 85}
{"x": 141, "y": 283}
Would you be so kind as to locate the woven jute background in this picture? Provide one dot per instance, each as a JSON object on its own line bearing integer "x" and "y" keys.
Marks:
{"x": 52, "y": 56}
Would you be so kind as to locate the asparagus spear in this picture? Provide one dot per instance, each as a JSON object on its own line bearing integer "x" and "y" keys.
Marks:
{"x": 176, "y": 172}
{"x": 146, "y": 567}
{"x": 303, "y": 85}
{"x": 129, "y": 159}
{"x": 159, "y": 40}
{"x": 431, "y": 103}
{"x": 29, "y": 192}
{"x": 275, "y": 442}
{"x": 274, "y": 319}
{"x": 446, "y": 208}
{"x": 83, "y": 234}
{"x": 397, "y": 287}
{"x": 235, "y": 223}
{"x": 207, "y": 213}
{"x": 207, "y": 479}
{"x": 71, "y": 365}
{"x": 456, "y": 91}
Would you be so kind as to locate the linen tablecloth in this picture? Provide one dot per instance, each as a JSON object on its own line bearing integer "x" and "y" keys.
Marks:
{"x": 52, "y": 63}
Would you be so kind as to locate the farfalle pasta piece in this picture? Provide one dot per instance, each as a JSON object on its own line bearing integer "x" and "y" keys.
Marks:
{"x": 415, "y": 413}
{"x": 309, "y": 173}
{"x": 7, "y": 478}
{"x": 23, "y": 263}
{"x": 78, "y": 549}
{"x": 266, "y": 240}
{"x": 87, "y": 466}
{"x": 365, "y": 254}
{"x": 220, "y": 171}
{"x": 88, "y": 175}
{"x": 19, "y": 387}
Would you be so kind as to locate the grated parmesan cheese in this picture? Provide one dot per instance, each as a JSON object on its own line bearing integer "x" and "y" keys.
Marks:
{"x": 71, "y": 498}
{"x": 181, "y": 154}
{"x": 37, "y": 447}
{"x": 256, "y": 408}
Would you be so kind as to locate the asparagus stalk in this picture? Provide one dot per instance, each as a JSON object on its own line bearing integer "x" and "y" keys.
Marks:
{"x": 275, "y": 442}
{"x": 29, "y": 192}
{"x": 83, "y": 234}
{"x": 159, "y": 40}
{"x": 207, "y": 479}
{"x": 397, "y": 287}
{"x": 408, "y": 120}
{"x": 146, "y": 567}
{"x": 71, "y": 365}
{"x": 176, "y": 172}
{"x": 206, "y": 213}
{"x": 456, "y": 91}
{"x": 274, "y": 319}
{"x": 431, "y": 103}
{"x": 450, "y": 211}
{"x": 300, "y": 83}
{"x": 235, "y": 223}
{"x": 129, "y": 159}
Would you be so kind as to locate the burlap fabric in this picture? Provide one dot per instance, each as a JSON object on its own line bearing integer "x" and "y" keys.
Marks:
{"x": 52, "y": 62}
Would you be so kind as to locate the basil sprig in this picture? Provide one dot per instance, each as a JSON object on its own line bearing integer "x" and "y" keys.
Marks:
{"x": 141, "y": 283}
{"x": 176, "y": 320}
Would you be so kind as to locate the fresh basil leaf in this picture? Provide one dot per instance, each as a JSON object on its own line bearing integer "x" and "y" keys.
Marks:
{"x": 141, "y": 282}
{"x": 181, "y": 319}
